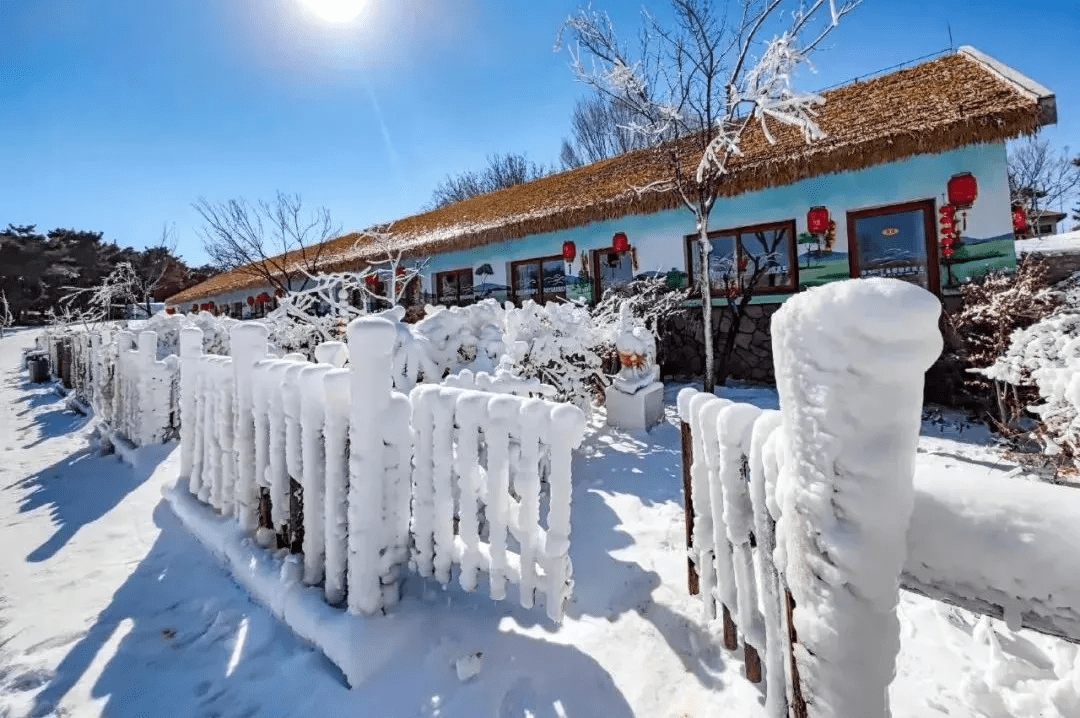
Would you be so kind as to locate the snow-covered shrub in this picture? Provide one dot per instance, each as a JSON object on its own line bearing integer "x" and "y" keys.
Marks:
{"x": 980, "y": 333}
{"x": 1045, "y": 358}
{"x": 651, "y": 302}
{"x": 215, "y": 331}
{"x": 556, "y": 344}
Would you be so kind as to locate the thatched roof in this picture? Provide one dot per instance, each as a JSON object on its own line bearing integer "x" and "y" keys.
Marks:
{"x": 957, "y": 100}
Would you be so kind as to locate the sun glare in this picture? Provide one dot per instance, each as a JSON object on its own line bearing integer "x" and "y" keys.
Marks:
{"x": 336, "y": 10}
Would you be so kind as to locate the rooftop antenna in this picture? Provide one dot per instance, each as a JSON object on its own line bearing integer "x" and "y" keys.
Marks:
{"x": 949, "y": 27}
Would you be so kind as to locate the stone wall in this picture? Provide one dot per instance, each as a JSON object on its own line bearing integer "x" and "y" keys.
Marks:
{"x": 1060, "y": 265}
{"x": 681, "y": 344}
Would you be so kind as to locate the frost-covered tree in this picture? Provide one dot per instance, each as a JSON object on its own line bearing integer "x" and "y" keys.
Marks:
{"x": 696, "y": 87}
{"x": 7, "y": 319}
{"x": 92, "y": 305}
{"x": 1040, "y": 178}
{"x": 278, "y": 242}
{"x": 319, "y": 310}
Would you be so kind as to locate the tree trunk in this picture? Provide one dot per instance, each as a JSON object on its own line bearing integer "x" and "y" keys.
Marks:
{"x": 709, "y": 382}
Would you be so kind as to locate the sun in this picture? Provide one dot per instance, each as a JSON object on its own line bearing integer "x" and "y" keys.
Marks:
{"x": 336, "y": 10}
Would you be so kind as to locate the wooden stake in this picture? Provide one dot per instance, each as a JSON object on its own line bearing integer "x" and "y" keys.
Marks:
{"x": 731, "y": 633}
{"x": 688, "y": 503}
{"x": 798, "y": 703}
{"x": 751, "y": 663}
{"x": 296, "y": 516}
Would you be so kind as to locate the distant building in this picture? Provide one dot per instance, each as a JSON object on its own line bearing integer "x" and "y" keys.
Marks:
{"x": 1042, "y": 222}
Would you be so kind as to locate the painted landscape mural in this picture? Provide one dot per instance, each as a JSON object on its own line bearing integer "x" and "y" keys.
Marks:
{"x": 891, "y": 243}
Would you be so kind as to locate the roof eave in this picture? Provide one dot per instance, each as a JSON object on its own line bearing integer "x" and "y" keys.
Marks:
{"x": 1025, "y": 85}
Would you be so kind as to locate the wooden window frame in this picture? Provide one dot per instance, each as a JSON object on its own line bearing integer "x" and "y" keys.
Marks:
{"x": 929, "y": 207}
{"x": 539, "y": 261}
{"x": 793, "y": 256}
{"x": 439, "y": 299}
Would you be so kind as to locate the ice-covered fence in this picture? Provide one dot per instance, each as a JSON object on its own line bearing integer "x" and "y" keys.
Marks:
{"x": 119, "y": 376}
{"x": 481, "y": 456}
{"x": 364, "y": 480}
{"x": 833, "y": 473}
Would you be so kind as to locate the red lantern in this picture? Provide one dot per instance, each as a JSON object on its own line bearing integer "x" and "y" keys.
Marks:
{"x": 251, "y": 301}
{"x": 170, "y": 311}
{"x": 205, "y": 307}
{"x": 569, "y": 251}
{"x": 963, "y": 189}
{"x": 947, "y": 210}
{"x": 371, "y": 280}
{"x": 194, "y": 308}
{"x": 401, "y": 271}
{"x": 262, "y": 298}
{"x": 1020, "y": 220}
{"x": 947, "y": 241}
{"x": 620, "y": 243}
{"x": 947, "y": 252}
{"x": 817, "y": 220}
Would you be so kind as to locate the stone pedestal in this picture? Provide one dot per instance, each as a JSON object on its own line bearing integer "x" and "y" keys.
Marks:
{"x": 640, "y": 410}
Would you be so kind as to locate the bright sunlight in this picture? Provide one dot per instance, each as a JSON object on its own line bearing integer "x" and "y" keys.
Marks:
{"x": 336, "y": 10}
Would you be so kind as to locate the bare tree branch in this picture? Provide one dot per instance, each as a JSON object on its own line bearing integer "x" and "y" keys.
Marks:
{"x": 275, "y": 241}
{"x": 694, "y": 88}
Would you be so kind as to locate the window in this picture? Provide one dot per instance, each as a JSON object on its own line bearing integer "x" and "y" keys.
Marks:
{"x": 611, "y": 269}
{"x": 540, "y": 280}
{"x": 763, "y": 254}
{"x": 454, "y": 287}
{"x": 898, "y": 241}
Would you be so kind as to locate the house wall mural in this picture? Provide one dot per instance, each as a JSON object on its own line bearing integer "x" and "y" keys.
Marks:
{"x": 659, "y": 240}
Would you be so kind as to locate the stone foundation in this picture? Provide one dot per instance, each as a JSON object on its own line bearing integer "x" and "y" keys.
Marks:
{"x": 681, "y": 345}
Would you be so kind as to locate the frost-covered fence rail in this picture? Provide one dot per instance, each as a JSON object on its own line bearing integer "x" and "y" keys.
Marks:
{"x": 480, "y": 462}
{"x": 801, "y": 515}
{"x": 119, "y": 376}
{"x": 365, "y": 481}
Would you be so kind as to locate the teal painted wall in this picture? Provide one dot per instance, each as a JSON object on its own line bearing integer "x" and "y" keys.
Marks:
{"x": 660, "y": 244}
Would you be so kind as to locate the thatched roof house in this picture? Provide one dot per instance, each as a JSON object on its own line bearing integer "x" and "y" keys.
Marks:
{"x": 953, "y": 102}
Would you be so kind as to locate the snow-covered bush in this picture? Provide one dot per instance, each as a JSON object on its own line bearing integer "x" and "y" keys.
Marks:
{"x": 1045, "y": 357}
{"x": 556, "y": 344}
{"x": 651, "y": 301}
{"x": 980, "y": 333}
{"x": 215, "y": 331}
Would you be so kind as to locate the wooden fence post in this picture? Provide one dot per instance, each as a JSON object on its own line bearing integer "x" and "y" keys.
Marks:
{"x": 850, "y": 360}
{"x": 692, "y": 583}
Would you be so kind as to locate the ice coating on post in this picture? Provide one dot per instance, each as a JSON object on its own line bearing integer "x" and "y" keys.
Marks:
{"x": 502, "y": 410}
{"x": 723, "y": 573}
{"x": 247, "y": 342}
{"x": 567, "y": 430}
{"x": 442, "y": 483}
{"x": 850, "y": 359}
{"x": 534, "y": 424}
{"x": 334, "y": 353}
{"x": 371, "y": 346}
{"x": 313, "y": 479}
{"x": 277, "y": 471}
{"x": 423, "y": 500}
{"x": 702, "y": 552}
{"x": 190, "y": 350}
{"x": 471, "y": 410}
{"x": 336, "y": 388}
{"x": 767, "y": 576}
{"x": 734, "y": 424}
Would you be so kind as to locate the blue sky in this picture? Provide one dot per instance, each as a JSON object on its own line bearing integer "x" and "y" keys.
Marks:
{"x": 115, "y": 115}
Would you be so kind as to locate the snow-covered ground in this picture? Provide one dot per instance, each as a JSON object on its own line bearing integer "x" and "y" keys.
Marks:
{"x": 1051, "y": 243}
{"x": 109, "y": 607}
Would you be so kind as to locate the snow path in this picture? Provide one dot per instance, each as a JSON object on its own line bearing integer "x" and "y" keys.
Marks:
{"x": 109, "y": 608}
